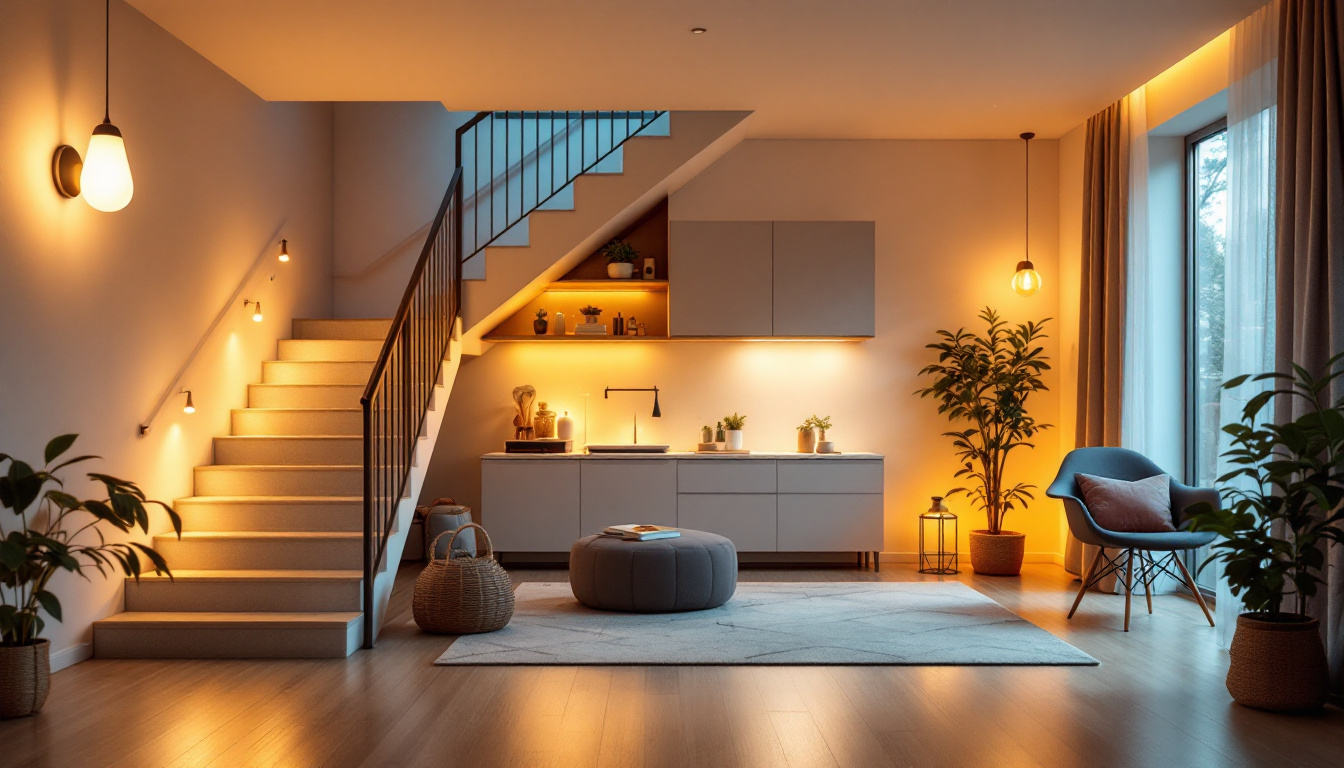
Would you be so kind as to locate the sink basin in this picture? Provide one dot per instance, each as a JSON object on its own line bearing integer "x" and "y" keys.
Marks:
{"x": 628, "y": 448}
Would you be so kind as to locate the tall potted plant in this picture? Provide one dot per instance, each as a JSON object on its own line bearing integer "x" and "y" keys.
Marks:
{"x": 54, "y": 531}
{"x": 1283, "y": 504}
{"x": 984, "y": 382}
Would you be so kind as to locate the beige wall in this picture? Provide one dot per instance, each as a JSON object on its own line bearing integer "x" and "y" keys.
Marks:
{"x": 98, "y": 311}
{"x": 949, "y": 231}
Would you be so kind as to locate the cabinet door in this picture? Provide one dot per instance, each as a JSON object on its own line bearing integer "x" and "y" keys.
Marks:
{"x": 830, "y": 522}
{"x": 719, "y": 276}
{"x": 530, "y": 505}
{"x": 617, "y": 492}
{"x": 747, "y": 519}
{"x": 830, "y": 476}
{"x": 824, "y": 278}
{"x": 718, "y": 475}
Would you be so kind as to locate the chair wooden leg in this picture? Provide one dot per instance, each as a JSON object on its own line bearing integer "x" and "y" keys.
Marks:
{"x": 1129, "y": 583}
{"x": 1190, "y": 582}
{"x": 1146, "y": 562}
{"x": 1087, "y": 576}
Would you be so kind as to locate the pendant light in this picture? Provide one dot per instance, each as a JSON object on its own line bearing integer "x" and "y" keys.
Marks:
{"x": 1027, "y": 280}
{"x": 106, "y": 179}
{"x": 284, "y": 251}
{"x": 190, "y": 407}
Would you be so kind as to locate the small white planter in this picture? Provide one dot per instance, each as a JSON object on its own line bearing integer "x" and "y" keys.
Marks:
{"x": 620, "y": 271}
{"x": 734, "y": 439}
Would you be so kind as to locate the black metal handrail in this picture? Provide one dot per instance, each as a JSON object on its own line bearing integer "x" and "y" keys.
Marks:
{"x": 552, "y": 148}
{"x": 398, "y": 394}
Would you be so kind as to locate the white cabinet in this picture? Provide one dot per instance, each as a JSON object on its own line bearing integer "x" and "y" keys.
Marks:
{"x": 530, "y": 505}
{"x": 726, "y": 476}
{"x": 830, "y": 476}
{"x": 748, "y": 519}
{"x": 829, "y": 522}
{"x": 616, "y": 492}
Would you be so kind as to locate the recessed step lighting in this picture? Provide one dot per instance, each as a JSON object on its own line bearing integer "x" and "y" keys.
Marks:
{"x": 698, "y": 30}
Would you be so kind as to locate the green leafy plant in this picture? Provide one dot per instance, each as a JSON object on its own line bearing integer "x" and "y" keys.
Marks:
{"x": 39, "y": 544}
{"x": 590, "y": 311}
{"x": 734, "y": 422}
{"x": 986, "y": 381}
{"x": 619, "y": 252}
{"x": 821, "y": 423}
{"x": 1274, "y": 527}
{"x": 806, "y": 425}
{"x": 541, "y": 314}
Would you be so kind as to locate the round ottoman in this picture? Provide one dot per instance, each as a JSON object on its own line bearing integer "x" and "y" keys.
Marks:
{"x": 692, "y": 572}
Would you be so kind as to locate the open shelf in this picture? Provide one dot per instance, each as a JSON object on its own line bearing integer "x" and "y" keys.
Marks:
{"x": 632, "y": 284}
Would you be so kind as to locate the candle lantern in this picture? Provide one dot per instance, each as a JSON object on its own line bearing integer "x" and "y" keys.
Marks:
{"x": 938, "y": 547}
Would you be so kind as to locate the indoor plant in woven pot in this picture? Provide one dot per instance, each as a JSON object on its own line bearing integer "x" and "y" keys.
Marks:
{"x": 50, "y": 531}
{"x": 1282, "y": 504}
{"x": 984, "y": 382}
{"x": 620, "y": 259}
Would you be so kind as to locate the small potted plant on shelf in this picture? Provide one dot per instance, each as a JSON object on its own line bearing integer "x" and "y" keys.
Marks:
{"x": 984, "y": 382}
{"x": 56, "y": 531}
{"x": 1283, "y": 505}
{"x": 620, "y": 259}
{"x": 590, "y": 313}
{"x": 807, "y": 436}
{"x": 539, "y": 325}
{"x": 733, "y": 426}
{"x": 823, "y": 423}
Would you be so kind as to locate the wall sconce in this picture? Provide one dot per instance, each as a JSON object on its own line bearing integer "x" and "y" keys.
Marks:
{"x": 103, "y": 176}
{"x": 1027, "y": 280}
{"x": 256, "y": 313}
{"x": 284, "y": 251}
{"x": 190, "y": 407}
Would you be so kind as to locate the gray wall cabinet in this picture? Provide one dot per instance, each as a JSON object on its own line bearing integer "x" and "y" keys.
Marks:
{"x": 719, "y": 281}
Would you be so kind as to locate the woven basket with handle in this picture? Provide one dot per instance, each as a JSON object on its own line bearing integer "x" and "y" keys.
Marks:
{"x": 462, "y": 595}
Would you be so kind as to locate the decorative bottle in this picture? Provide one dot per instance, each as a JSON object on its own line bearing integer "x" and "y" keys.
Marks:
{"x": 720, "y": 436}
{"x": 558, "y": 324}
{"x": 564, "y": 427}
{"x": 544, "y": 423}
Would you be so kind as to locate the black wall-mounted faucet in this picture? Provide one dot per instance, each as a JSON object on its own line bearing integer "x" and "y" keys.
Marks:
{"x": 657, "y": 412}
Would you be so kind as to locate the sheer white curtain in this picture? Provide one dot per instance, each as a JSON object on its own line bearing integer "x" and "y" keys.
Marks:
{"x": 1252, "y": 118}
{"x": 1140, "y": 388}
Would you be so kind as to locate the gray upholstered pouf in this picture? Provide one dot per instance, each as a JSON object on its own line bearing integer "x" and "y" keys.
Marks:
{"x": 692, "y": 572}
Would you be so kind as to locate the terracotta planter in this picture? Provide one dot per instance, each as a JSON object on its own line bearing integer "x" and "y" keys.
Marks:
{"x": 807, "y": 441}
{"x": 1278, "y": 665}
{"x": 620, "y": 271}
{"x": 25, "y": 678}
{"x": 997, "y": 554}
{"x": 539, "y": 327}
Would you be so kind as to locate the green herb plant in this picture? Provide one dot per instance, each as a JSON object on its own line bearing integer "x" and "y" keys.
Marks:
{"x": 619, "y": 252}
{"x": 734, "y": 422}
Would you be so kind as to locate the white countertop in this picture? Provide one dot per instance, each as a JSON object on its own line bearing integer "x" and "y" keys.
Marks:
{"x": 684, "y": 455}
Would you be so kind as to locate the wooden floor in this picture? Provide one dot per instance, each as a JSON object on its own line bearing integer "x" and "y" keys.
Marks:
{"x": 1157, "y": 699}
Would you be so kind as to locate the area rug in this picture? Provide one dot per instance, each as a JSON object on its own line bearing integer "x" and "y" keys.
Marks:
{"x": 837, "y": 623}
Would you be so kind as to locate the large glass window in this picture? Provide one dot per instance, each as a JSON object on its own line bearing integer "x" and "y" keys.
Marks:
{"x": 1206, "y": 227}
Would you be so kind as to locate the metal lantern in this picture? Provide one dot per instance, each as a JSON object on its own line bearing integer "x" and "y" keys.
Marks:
{"x": 943, "y": 558}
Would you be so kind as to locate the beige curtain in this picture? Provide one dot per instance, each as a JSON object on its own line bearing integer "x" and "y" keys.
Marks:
{"x": 1309, "y": 321}
{"x": 1101, "y": 319}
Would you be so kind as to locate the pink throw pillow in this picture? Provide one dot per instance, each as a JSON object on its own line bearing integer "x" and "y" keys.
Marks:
{"x": 1141, "y": 506}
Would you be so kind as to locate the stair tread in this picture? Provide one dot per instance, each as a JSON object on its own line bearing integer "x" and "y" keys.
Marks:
{"x": 271, "y": 535}
{"x": 149, "y": 619}
{"x": 271, "y": 499}
{"x": 255, "y": 575}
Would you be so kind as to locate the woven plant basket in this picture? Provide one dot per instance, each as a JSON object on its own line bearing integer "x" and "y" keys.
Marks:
{"x": 997, "y": 554}
{"x": 460, "y": 595}
{"x": 1278, "y": 665}
{"x": 25, "y": 678}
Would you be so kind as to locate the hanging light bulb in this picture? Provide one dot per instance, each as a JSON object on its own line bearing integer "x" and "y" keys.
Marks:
{"x": 105, "y": 180}
{"x": 284, "y": 251}
{"x": 1027, "y": 280}
{"x": 190, "y": 407}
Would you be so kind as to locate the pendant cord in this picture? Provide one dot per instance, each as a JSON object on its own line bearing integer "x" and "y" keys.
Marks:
{"x": 107, "y": 62}
{"x": 1027, "y": 198}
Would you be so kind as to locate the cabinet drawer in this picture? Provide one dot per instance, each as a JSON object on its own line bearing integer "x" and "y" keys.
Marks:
{"x": 830, "y": 476}
{"x": 616, "y": 492}
{"x": 725, "y": 476}
{"x": 530, "y": 505}
{"x": 747, "y": 519}
{"x": 830, "y": 522}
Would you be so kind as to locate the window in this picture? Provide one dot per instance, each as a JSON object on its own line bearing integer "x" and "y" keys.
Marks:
{"x": 1206, "y": 232}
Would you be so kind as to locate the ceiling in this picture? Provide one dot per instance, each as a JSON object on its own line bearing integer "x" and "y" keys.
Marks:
{"x": 809, "y": 68}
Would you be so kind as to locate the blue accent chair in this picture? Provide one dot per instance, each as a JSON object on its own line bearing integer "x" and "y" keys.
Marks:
{"x": 1124, "y": 464}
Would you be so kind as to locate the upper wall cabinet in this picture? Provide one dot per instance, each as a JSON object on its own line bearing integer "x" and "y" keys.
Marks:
{"x": 761, "y": 278}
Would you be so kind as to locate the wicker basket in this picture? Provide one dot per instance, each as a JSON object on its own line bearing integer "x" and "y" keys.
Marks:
{"x": 460, "y": 595}
{"x": 1278, "y": 666}
{"x": 25, "y": 678}
{"x": 997, "y": 554}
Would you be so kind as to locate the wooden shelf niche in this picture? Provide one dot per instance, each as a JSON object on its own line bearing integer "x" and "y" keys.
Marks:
{"x": 587, "y": 283}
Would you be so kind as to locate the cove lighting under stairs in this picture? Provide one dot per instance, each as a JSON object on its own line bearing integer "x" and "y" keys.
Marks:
{"x": 270, "y": 563}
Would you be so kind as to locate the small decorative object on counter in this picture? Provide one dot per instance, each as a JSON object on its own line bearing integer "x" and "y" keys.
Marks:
{"x": 544, "y": 423}
{"x": 522, "y": 418}
{"x": 539, "y": 325}
{"x": 642, "y": 330}
{"x": 706, "y": 434}
{"x": 590, "y": 313}
{"x": 632, "y": 326}
{"x": 650, "y": 269}
{"x": 564, "y": 427}
{"x": 618, "y": 325}
{"x": 734, "y": 426}
{"x": 719, "y": 437}
{"x": 942, "y": 559}
{"x": 620, "y": 259}
{"x": 823, "y": 423}
{"x": 462, "y": 595}
{"x": 558, "y": 324}
{"x": 807, "y": 437}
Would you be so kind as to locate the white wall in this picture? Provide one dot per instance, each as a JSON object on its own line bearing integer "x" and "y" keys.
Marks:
{"x": 98, "y": 311}
{"x": 949, "y": 232}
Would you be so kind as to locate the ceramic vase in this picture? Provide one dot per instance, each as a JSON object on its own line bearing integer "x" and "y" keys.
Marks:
{"x": 807, "y": 440}
{"x": 734, "y": 439}
{"x": 620, "y": 270}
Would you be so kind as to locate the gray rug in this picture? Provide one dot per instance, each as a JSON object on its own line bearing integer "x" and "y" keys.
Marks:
{"x": 772, "y": 623}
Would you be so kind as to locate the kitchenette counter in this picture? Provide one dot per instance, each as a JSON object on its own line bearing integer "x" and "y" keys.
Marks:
{"x": 690, "y": 455}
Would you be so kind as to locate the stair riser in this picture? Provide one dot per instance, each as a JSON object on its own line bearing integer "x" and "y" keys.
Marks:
{"x": 373, "y": 330}
{"x": 267, "y": 422}
{"x": 235, "y": 517}
{"x": 291, "y": 372}
{"x": 260, "y": 595}
{"x": 304, "y": 396}
{"x": 321, "y": 350}
{"x": 259, "y": 554}
{"x": 258, "y": 642}
{"x": 288, "y": 451}
{"x": 216, "y": 481}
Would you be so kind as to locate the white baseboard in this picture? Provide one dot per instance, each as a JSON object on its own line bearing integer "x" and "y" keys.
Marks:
{"x": 71, "y": 656}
